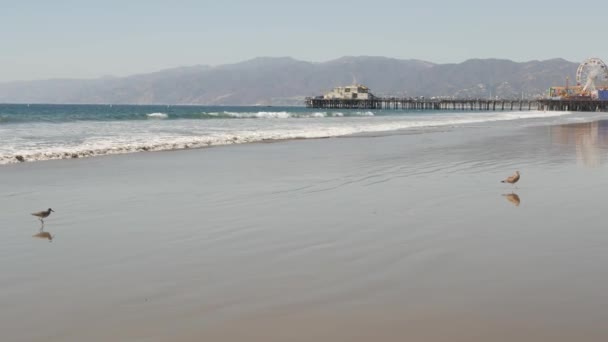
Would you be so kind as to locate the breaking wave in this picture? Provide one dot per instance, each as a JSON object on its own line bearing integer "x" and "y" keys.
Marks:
{"x": 157, "y": 115}
{"x": 73, "y": 140}
{"x": 9, "y": 118}
{"x": 283, "y": 115}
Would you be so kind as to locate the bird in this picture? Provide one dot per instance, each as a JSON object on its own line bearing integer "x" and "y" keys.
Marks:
{"x": 43, "y": 214}
{"x": 511, "y": 179}
{"x": 513, "y": 198}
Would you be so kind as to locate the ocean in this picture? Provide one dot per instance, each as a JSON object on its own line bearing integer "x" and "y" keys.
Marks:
{"x": 43, "y": 132}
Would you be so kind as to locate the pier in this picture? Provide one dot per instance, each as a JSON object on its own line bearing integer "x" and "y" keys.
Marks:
{"x": 395, "y": 103}
{"x": 574, "y": 105}
{"x": 357, "y": 96}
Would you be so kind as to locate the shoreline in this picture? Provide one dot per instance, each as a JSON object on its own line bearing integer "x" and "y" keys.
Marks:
{"x": 204, "y": 142}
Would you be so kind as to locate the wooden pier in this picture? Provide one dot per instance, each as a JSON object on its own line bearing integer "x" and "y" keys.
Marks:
{"x": 395, "y": 103}
{"x": 574, "y": 105}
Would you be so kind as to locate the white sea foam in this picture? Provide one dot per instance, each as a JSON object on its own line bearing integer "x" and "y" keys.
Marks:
{"x": 74, "y": 140}
{"x": 157, "y": 115}
{"x": 260, "y": 115}
{"x": 284, "y": 115}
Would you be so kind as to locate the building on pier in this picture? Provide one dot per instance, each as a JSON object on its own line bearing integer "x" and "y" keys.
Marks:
{"x": 561, "y": 92}
{"x": 356, "y": 91}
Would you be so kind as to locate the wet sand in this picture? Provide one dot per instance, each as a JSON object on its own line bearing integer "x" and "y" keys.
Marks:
{"x": 400, "y": 237}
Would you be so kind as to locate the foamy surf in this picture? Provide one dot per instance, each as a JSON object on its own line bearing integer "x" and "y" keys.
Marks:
{"x": 157, "y": 116}
{"x": 284, "y": 115}
{"x": 74, "y": 140}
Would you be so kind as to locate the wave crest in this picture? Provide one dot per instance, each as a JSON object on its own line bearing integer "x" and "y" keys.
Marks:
{"x": 157, "y": 115}
{"x": 185, "y": 137}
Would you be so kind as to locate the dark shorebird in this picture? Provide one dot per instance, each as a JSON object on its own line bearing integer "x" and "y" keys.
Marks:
{"x": 43, "y": 214}
{"x": 511, "y": 179}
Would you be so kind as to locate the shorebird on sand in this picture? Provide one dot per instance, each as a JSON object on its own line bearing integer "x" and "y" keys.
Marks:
{"x": 512, "y": 179}
{"x": 43, "y": 214}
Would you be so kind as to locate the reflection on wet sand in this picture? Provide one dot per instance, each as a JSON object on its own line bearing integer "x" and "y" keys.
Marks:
{"x": 44, "y": 235}
{"x": 513, "y": 198}
{"x": 589, "y": 138}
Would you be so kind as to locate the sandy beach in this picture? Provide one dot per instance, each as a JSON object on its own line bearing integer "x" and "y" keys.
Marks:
{"x": 405, "y": 236}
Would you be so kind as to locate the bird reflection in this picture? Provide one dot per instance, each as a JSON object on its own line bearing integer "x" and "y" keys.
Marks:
{"x": 44, "y": 235}
{"x": 513, "y": 198}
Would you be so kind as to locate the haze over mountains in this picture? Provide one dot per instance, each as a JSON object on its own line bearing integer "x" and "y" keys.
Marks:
{"x": 286, "y": 81}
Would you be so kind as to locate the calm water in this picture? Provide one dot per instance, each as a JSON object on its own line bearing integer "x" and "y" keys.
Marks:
{"x": 42, "y": 132}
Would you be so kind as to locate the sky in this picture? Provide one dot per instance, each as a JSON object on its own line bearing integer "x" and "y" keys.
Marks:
{"x": 89, "y": 39}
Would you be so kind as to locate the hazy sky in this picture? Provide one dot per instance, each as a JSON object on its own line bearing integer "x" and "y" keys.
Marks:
{"x": 87, "y": 39}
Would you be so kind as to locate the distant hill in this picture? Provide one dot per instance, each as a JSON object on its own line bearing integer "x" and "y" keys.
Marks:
{"x": 286, "y": 81}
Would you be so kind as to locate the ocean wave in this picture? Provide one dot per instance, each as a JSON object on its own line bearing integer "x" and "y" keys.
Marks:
{"x": 129, "y": 142}
{"x": 194, "y": 115}
{"x": 157, "y": 115}
{"x": 260, "y": 115}
{"x": 282, "y": 115}
{"x": 122, "y": 148}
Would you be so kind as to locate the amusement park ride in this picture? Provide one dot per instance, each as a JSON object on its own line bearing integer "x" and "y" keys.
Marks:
{"x": 591, "y": 82}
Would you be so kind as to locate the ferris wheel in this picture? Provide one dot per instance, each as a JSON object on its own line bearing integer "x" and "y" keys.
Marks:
{"x": 592, "y": 74}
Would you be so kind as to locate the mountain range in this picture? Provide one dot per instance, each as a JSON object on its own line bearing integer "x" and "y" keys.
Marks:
{"x": 287, "y": 81}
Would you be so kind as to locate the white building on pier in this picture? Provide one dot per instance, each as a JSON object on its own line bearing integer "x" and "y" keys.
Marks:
{"x": 356, "y": 91}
